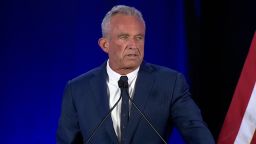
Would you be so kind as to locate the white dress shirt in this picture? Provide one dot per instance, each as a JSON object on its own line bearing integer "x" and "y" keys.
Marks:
{"x": 114, "y": 93}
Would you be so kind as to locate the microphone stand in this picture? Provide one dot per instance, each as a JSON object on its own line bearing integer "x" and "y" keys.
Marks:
{"x": 147, "y": 120}
{"x": 102, "y": 121}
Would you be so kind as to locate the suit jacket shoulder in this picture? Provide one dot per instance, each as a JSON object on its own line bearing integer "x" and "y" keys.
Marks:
{"x": 90, "y": 74}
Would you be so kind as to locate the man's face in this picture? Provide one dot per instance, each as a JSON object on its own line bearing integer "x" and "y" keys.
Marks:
{"x": 125, "y": 42}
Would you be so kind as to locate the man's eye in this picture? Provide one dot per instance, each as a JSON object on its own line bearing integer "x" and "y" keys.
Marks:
{"x": 139, "y": 37}
{"x": 124, "y": 37}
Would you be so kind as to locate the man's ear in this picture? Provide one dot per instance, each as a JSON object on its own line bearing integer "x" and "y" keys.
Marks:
{"x": 103, "y": 43}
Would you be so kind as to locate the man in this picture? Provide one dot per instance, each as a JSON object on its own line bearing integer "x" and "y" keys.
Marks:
{"x": 100, "y": 107}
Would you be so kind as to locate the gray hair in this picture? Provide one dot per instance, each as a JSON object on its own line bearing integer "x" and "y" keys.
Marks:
{"x": 119, "y": 9}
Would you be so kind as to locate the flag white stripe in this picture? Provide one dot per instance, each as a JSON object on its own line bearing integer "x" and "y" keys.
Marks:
{"x": 248, "y": 124}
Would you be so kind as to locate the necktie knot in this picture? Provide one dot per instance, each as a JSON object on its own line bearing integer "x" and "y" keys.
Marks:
{"x": 123, "y": 82}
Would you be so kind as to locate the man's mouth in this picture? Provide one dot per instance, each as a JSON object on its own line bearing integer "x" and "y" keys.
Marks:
{"x": 131, "y": 55}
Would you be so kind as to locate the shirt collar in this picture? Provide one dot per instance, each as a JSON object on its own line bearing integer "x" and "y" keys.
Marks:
{"x": 114, "y": 76}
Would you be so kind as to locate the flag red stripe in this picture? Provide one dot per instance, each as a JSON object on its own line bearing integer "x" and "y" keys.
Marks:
{"x": 240, "y": 98}
{"x": 254, "y": 138}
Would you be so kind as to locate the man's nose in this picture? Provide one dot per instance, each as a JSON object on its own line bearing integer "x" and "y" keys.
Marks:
{"x": 132, "y": 43}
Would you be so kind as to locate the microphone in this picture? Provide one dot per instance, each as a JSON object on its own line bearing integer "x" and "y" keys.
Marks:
{"x": 123, "y": 84}
{"x": 102, "y": 121}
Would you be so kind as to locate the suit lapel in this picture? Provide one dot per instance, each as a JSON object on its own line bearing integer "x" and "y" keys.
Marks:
{"x": 143, "y": 89}
{"x": 99, "y": 87}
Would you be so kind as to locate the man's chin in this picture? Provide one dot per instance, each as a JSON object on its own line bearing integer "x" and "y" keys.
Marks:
{"x": 133, "y": 65}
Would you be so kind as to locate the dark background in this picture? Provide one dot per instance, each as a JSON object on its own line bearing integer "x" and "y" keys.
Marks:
{"x": 44, "y": 43}
{"x": 218, "y": 45}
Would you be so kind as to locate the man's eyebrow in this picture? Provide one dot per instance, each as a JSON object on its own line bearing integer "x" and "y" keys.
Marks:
{"x": 140, "y": 34}
{"x": 126, "y": 34}
{"x": 121, "y": 34}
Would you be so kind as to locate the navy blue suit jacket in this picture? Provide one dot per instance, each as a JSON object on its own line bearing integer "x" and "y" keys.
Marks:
{"x": 161, "y": 93}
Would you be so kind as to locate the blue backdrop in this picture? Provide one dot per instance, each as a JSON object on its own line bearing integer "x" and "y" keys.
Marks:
{"x": 44, "y": 43}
